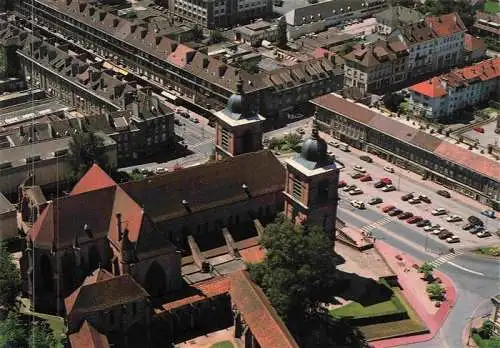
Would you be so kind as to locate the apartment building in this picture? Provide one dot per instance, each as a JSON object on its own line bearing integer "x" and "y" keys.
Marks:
{"x": 221, "y": 13}
{"x": 375, "y": 66}
{"x": 487, "y": 24}
{"x": 444, "y": 96}
{"x": 192, "y": 74}
{"x": 315, "y": 18}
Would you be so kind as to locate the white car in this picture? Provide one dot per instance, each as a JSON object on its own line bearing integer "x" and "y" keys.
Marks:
{"x": 453, "y": 239}
{"x": 388, "y": 188}
{"x": 431, "y": 227}
{"x": 356, "y": 191}
{"x": 453, "y": 218}
{"x": 389, "y": 169}
{"x": 438, "y": 211}
{"x": 484, "y": 234}
{"x": 358, "y": 204}
{"x": 438, "y": 230}
{"x": 359, "y": 168}
{"x": 160, "y": 170}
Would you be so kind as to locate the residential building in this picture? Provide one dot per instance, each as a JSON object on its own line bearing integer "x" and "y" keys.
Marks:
{"x": 453, "y": 165}
{"x": 442, "y": 97}
{"x": 256, "y": 32}
{"x": 221, "y": 13}
{"x": 317, "y": 17}
{"x": 374, "y": 66}
{"x": 8, "y": 219}
{"x": 396, "y": 17}
{"x": 474, "y": 49}
{"x": 487, "y": 24}
{"x": 190, "y": 74}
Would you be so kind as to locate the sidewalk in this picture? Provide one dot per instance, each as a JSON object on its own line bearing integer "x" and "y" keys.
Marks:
{"x": 417, "y": 179}
{"x": 433, "y": 318}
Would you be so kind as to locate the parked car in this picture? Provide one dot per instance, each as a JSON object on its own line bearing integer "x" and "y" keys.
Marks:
{"x": 445, "y": 235}
{"x": 489, "y": 213}
{"x": 439, "y": 211}
{"x": 407, "y": 196}
{"x": 453, "y": 239}
{"x": 479, "y": 129}
{"x": 395, "y": 212}
{"x": 358, "y": 204}
{"x": 476, "y": 229}
{"x": 160, "y": 170}
{"x": 366, "y": 158}
{"x": 342, "y": 183}
{"x": 387, "y": 208}
{"x": 423, "y": 223}
{"x": 356, "y": 175}
{"x": 356, "y": 191}
{"x": 414, "y": 219}
{"x": 389, "y": 169}
{"x": 194, "y": 120}
{"x": 333, "y": 143}
{"x": 379, "y": 184}
{"x": 475, "y": 220}
{"x": 375, "y": 200}
{"x": 389, "y": 188}
{"x": 444, "y": 193}
{"x": 429, "y": 228}
{"x": 484, "y": 234}
{"x": 415, "y": 201}
{"x": 366, "y": 178}
{"x": 359, "y": 168}
{"x": 349, "y": 188}
{"x": 468, "y": 226}
{"x": 454, "y": 218}
{"x": 405, "y": 215}
{"x": 424, "y": 198}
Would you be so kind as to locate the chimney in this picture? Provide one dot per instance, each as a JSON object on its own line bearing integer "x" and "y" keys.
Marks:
{"x": 116, "y": 21}
{"x": 102, "y": 15}
{"x": 205, "y": 62}
{"x": 119, "y": 226}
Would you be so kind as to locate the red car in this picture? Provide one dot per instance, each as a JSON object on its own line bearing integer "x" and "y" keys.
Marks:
{"x": 414, "y": 220}
{"x": 366, "y": 178}
{"x": 342, "y": 183}
{"x": 386, "y": 181}
{"x": 387, "y": 208}
{"x": 405, "y": 215}
{"x": 479, "y": 129}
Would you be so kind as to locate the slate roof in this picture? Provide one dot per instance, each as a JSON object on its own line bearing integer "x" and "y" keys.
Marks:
{"x": 258, "y": 313}
{"x": 207, "y": 185}
{"x": 398, "y": 15}
{"x": 97, "y": 275}
{"x": 376, "y": 53}
{"x": 417, "y": 33}
{"x": 106, "y": 294}
{"x": 446, "y": 150}
{"x": 88, "y": 337}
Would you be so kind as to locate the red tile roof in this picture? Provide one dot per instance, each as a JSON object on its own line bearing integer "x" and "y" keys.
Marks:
{"x": 398, "y": 130}
{"x": 431, "y": 88}
{"x": 205, "y": 290}
{"x": 472, "y": 43}
{"x": 88, "y": 337}
{"x": 181, "y": 55}
{"x": 321, "y": 53}
{"x": 258, "y": 313}
{"x": 467, "y": 158}
{"x": 253, "y": 254}
{"x": 95, "y": 178}
{"x": 446, "y": 25}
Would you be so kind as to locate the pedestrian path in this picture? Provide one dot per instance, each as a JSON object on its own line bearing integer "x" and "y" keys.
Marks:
{"x": 444, "y": 258}
{"x": 374, "y": 225}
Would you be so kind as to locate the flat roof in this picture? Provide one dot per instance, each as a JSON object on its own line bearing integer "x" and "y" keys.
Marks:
{"x": 27, "y": 112}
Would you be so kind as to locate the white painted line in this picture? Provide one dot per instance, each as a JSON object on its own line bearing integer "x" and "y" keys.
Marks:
{"x": 465, "y": 269}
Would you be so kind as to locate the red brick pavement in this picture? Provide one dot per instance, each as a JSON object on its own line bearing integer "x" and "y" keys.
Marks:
{"x": 432, "y": 321}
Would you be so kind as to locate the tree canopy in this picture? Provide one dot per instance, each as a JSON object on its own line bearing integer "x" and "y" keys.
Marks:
{"x": 16, "y": 332}
{"x": 298, "y": 275}
{"x": 86, "y": 149}
{"x": 10, "y": 280}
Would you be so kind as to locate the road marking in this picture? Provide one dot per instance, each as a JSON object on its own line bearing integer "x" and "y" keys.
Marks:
{"x": 374, "y": 225}
{"x": 465, "y": 268}
{"x": 444, "y": 258}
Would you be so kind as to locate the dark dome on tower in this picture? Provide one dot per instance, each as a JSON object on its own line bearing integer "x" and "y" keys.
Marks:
{"x": 314, "y": 148}
{"x": 237, "y": 105}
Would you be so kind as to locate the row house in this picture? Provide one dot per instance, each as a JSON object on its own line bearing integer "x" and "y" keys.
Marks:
{"x": 443, "y": 96}
{"x": 167, "y": 63}
{"x": 451, "y": 165}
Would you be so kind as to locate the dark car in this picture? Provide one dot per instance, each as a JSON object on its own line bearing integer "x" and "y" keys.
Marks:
{"x": 366, "y": 159}
{"x": 423, "y": 223}
{"x": 445, "y": 234}
{"x": 407, "y": 196}
{"x": 468, "y": 226}
{"x": 379, "y": 184}
{"x": 444, "y": 193}
{"x": 405, "y": 215}
{"x": 395, "y": 212}
{"x": 375, "y": 200}
{"x": 476, "y": 229}
{"x": 475, "y": 220}
{"x": 424, "y": 198}
{"x": 414, "y": 219}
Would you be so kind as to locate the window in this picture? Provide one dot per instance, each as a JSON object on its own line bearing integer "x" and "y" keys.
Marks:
{"x": 225, "y": 139}
{"x": 297, "y": 188}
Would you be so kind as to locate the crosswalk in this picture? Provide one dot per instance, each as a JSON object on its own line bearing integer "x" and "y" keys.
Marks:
{"x": 445, "y": 258}
{"x": 374, "y": 225}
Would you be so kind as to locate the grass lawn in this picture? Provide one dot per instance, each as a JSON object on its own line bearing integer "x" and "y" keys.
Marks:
{"x": 223, "y": 344}
{"x": 490, "y": 251}
{"x": 491, "y": 6}
{"x": 355, "y": 309}
{"x": 493, "y": 342}
{"x": 56, "y": 323}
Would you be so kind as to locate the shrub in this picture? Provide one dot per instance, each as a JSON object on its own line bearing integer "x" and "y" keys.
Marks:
{"x": 435, "y": 291}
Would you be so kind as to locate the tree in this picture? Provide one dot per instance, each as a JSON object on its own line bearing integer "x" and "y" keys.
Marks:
{"x": 14, "y": 332}
{"x": 439, "y": 7}
{"x": 216, "y": 36}
{"x": 197, "y": 32}
{"x": 281, "y": 35}
{"x": 426, "y": 269}
{"x": 10, "y": 280}
{"x": 86, "y": 149}
{"x": 435, "y": 291}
